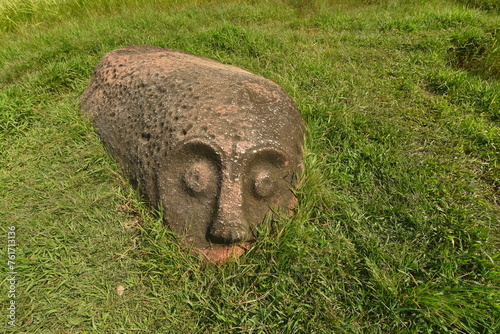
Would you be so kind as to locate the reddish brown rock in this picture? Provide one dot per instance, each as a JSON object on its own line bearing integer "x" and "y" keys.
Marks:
{"x": 213, "y": 145}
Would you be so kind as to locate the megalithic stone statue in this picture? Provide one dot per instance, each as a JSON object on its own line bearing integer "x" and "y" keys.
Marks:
{"x": 215, "y": 147}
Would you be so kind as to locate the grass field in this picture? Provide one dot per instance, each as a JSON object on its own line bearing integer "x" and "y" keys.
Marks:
{"x": 398, "y": 224}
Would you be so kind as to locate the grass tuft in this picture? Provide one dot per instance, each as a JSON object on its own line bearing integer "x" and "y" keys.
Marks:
{"x": 477, "y": 51}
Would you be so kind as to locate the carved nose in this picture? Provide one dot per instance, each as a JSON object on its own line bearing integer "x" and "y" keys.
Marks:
{"x": 229, "y": 225}
{"x": 228, "y": 232}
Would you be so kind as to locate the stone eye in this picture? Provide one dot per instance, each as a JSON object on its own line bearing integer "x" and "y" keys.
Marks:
{"x": 263, "y": 184}
{"x": 197, "y": 178}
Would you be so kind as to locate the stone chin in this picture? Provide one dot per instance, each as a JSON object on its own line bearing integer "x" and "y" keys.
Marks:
{"x": 214, "y": 146}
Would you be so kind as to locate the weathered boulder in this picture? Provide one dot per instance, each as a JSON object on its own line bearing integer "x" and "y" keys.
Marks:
{"x": 214, "y": 146}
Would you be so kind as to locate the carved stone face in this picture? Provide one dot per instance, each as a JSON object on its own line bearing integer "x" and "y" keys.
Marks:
{"x": 214, "y": 146}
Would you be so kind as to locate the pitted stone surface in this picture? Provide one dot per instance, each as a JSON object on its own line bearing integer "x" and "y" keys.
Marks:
{"x": 214, "y": 146}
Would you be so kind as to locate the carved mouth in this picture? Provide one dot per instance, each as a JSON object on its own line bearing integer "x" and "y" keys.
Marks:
{"x": 221, "y": 254}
